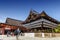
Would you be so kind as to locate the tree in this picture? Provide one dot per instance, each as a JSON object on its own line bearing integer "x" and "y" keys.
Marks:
{"x": 57, "y": 29}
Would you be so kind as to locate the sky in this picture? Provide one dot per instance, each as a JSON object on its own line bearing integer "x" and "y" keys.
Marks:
{"x": 20, "y": 9}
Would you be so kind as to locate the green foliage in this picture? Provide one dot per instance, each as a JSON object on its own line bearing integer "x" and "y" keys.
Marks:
{"x": 57, "y": 29}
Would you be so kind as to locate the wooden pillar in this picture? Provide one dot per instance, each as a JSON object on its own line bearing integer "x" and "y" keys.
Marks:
{"x": 2, "y": 31}
{"x": 52, "y": 32}
{"x": 42, "y": 26}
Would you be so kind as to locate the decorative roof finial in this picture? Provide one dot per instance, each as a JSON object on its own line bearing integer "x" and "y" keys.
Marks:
{"x": 33, "y": 11}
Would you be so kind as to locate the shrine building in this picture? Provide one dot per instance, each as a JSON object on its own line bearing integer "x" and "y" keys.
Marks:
{"x": 35, "y": 22}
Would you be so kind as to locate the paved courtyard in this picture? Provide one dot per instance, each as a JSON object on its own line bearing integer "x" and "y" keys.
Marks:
{"x": 4, "y": 37}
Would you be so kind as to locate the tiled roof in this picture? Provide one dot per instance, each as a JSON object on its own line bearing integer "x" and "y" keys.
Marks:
{"x": 13, "y": 21}
{"x": 35, "y": 16}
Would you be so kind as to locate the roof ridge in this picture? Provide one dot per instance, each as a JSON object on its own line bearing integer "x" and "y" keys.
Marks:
{"x": 14, "y": 19}
{"x": 33, "y": 11}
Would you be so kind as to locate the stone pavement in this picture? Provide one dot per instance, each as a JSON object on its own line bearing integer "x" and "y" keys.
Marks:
{"x": 4, "y": 37}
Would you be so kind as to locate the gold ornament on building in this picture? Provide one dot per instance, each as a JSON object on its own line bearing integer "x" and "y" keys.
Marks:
{"x": 42, "y": 14}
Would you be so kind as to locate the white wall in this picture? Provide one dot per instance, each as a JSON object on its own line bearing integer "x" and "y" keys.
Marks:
{"x": 29, "y": 34}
